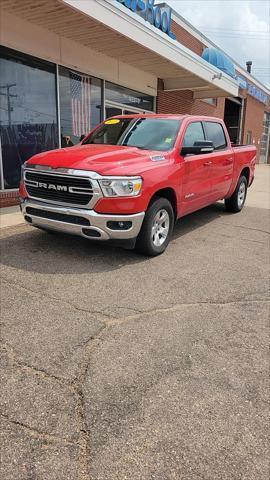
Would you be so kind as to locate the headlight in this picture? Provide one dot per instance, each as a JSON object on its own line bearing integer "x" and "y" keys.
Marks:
{"x": 121, "y": 187}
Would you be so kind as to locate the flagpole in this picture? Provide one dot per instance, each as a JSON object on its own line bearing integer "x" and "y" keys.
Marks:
{"x": 58, "y": 105}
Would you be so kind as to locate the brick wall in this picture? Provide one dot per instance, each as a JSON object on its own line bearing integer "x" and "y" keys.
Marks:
{"x": 253, "y": 121}
{"x": 187, "y": 39}
{"x": 8, "y": 199}
{"x": 183, "y": 102}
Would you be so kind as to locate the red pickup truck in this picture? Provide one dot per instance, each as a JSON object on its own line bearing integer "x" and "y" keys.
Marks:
{"x": 133, "y": 176}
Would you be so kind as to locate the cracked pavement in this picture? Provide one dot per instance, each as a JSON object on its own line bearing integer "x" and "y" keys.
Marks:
{"x": 120, "y": 367}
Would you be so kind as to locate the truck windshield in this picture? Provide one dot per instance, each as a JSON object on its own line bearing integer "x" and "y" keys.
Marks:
{"x": 145, "y": 133}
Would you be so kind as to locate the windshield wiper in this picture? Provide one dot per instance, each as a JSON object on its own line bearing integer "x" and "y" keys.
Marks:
{"x": 141, "y": 147}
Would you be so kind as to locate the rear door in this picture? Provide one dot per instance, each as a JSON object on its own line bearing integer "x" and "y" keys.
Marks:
{"x": 196, "y": 190}
{"x": 222, "y": 160}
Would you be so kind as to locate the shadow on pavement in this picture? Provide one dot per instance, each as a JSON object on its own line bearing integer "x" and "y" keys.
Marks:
{"x": 43, "y": 252}
{"x": 198, "y": 219}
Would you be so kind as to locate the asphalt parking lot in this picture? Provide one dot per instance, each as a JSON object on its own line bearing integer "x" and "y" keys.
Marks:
{"x": 121, "y": 367}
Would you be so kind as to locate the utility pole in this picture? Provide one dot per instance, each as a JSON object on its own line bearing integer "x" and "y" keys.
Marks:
{"x": 9, "y": 96}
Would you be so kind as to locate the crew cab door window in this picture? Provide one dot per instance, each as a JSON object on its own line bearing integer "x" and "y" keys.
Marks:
{"x": 194, "y": 133}
{"x": 197, "y": 180}
{"x": 214, "y": 132}
{"x": 221, "y": 161}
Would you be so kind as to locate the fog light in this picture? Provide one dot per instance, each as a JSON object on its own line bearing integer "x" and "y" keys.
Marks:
{"x": 121, "y": 225}
{"x": 90, "y": 232}
{"x": 28, "y": 219}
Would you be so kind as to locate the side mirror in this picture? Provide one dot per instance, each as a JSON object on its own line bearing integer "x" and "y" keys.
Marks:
{"x": 199, "y": 148}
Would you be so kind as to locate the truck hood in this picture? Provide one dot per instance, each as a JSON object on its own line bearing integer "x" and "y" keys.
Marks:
{"x": 103, "y": 159}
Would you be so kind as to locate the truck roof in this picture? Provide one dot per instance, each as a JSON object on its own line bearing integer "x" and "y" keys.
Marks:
{"x": 149, "y": 115}
{"x": 168, "y": 115}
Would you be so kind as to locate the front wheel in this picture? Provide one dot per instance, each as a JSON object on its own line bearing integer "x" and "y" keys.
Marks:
{"x": 157, "y": 228}
{"x": 236, "y": 202}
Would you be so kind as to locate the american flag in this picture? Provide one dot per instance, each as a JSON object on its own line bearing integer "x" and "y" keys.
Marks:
{"x": 80, "y": 86}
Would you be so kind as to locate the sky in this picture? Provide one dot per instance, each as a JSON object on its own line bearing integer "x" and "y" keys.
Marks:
{"x": 240, "y": 27}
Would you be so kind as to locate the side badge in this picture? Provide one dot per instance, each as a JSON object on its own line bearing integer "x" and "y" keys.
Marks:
{"x": 157, "y": 158}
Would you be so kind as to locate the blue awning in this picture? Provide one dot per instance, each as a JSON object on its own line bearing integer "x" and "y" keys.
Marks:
{"x": 219, "y": 60}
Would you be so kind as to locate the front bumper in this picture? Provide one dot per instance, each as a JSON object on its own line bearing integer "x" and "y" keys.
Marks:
{"x": 67, "y": 219}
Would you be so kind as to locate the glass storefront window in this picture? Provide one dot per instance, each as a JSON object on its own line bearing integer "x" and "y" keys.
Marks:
{"x": 28, "y": 117}
{"x": 80, "y": 105}
{"x": 118, "y": 94}
{"x": 28, "y": 108}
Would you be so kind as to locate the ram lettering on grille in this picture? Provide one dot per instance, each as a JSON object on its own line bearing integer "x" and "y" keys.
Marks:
{"x": 51, "y": 186}
{"x": 68, "y": 189}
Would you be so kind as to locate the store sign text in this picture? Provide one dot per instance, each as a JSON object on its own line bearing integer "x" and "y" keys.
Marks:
{"x": 160, "y": 17}
{"x": 253, "y": 91}
{"x": 257, "y": 93}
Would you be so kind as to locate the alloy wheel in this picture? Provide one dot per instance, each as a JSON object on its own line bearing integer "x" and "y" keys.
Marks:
{"x": 161, "y": 227}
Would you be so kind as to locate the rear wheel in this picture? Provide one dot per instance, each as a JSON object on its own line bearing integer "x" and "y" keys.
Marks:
{"x": 236, "y": 202}
{"x": 157, "y": 228}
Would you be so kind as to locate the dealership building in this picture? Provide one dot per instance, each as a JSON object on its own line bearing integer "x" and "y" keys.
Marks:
{"x": 65, "y": 65}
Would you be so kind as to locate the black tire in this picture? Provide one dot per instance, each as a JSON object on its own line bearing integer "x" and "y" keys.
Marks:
{"x": 145, "y": 241}
{"x": 236, "y": 202}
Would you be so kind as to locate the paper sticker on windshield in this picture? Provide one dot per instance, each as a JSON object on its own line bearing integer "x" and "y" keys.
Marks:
{"x": 157, "y": 158}
{"x": 168, "y": 140}
{"x": 112, "y": 121}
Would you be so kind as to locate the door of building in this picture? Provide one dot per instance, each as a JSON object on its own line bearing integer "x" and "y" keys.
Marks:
{"x": 232, "y": 118}
{"x": 113, "y": 109}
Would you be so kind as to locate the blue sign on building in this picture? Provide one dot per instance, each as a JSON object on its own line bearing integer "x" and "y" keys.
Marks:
{"x": 160, "y": 17}
{"x": 242, "y": 82}
{"x": 257, "y": 93}
{"x": 253, "y": 91}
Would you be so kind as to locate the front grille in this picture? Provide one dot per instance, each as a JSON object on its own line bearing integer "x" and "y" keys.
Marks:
{"x": 61, "y": 217}
{"x": 59, "y": 188}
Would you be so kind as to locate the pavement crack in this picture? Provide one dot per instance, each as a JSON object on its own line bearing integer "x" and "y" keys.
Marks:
{"x": 77, "y": 385}
{"x": 13, "y": 356}
{"x": 244, "y": 227}
{"x": 57, "y": 299}
{"x": 179, "y": 306}
{"x": 45, "y": 437}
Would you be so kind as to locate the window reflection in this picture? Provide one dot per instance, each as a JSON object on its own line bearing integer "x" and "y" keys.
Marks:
{"x": 126, "y": 96}
{"x": 28, "y": 119}
{"x": 80, "y": 104}
{"x": 28, "y": 108}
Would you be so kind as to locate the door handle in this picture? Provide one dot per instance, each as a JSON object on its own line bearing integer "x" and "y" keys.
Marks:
{"x": 207, "y": 164}
{"x": 229, "y": 160}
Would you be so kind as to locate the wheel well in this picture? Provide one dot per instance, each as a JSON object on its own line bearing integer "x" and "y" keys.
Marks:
{"x": 168, "y": 193}
{"x": 246, "y": 173}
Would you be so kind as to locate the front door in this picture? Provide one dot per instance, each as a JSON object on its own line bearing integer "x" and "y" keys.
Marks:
{"x": 196, "y": 179}
{"x": 113, "y": 111}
